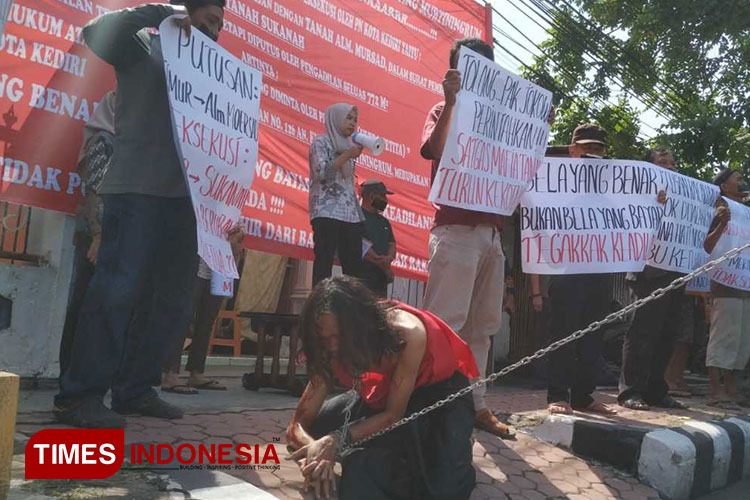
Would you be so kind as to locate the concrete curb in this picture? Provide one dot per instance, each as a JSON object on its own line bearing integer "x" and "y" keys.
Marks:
{"x": 680, "y": 462}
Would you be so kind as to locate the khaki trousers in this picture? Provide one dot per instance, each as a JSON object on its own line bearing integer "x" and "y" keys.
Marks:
{"x": 465, "y": 287}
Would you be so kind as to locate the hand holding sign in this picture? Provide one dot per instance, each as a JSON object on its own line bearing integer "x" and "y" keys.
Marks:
{"x": 735, "y": 272}
{"x": 497, "y": 137}
{"x": 451, "y": 86}
{"x": 184, "y": 23}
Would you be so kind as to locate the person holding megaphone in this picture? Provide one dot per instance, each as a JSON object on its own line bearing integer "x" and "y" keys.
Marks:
{"x": 335, "y": 214}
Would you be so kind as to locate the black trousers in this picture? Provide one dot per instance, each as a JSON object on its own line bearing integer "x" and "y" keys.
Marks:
{"x": 576, "y": 301}
{"x": 83, "y": 271}
{"x": 542, "y": 328}
{"x": 428, "y": 459}
{"x": 650, "y": 342}
{"x": 137, "y": 302}
{"x": 331, "y": 236}
{"x": 205, "y": 309}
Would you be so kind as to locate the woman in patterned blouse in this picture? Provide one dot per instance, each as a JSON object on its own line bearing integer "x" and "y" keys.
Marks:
{"x": 335, "y": 214}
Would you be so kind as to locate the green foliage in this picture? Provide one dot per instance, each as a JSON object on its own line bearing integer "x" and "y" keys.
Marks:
{"x": 687, "y": 59}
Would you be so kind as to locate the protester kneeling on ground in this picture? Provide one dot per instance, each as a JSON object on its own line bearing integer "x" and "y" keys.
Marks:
{"x": 398, "y": 360}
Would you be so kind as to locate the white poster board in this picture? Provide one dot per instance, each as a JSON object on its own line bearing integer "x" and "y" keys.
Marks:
{"x": 497, "y": 138}
{"x": 678, "y": 244}
{"x": 735, "y": 272}
{"x": 590, "y": 216}
{"x": 215, "y": 103}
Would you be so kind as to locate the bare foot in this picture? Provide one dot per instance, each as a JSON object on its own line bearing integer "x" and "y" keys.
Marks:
{"x": 559, "y": 408}
{"x": 599, "y": 408}
{"x": 170, "y": 379}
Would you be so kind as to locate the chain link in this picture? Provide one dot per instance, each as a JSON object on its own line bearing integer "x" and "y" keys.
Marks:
{"x": 656, "y": 294}
{"x": 343, "y": 450}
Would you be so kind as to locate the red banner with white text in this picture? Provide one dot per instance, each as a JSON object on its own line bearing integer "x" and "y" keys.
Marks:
{"x": 386, "y": 56}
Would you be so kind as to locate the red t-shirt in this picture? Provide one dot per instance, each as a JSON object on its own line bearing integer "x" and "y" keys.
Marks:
{"x": 444, "y": 353}
{"x": 443, "y": 214}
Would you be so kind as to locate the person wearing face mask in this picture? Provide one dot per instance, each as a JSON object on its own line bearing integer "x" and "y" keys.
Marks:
{"x": 147, "y": 257}
{"x": 577, "y": 300}
{"x": 335, "y": 214}
{"x": 729, "y": 342}
{"x": 376, "y": 266}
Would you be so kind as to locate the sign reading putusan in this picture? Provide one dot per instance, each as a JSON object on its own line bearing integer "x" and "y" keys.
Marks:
{"x": 215, "y": 103}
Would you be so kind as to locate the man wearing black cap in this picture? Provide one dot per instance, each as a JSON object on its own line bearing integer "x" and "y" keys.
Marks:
{"x": 148, "y": 254}
{"x": 376, "y": 266}
{"x": 589, "y": 141}
{"x": 729, "y": 342}
{"x": 576, "y": 300}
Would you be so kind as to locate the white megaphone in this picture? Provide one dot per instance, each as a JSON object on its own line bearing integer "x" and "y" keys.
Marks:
{"x": 375, "y": 145}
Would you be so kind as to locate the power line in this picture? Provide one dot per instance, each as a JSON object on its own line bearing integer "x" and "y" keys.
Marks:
{"x": 543, "y": 77}
{"x": 602, "y": 101}
{"x": 558, "y": 66}
{"x": 624, "y": 50}
{"x": 596, "y": 56}
{"x": 599, "y": 54}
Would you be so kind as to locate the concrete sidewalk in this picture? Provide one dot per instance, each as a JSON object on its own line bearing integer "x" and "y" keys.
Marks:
{"x": 525, "y": 468}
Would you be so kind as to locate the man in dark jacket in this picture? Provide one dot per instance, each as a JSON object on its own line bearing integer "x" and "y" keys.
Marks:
{"x": 148, "y": 255}
{"x": 376, "y": 265}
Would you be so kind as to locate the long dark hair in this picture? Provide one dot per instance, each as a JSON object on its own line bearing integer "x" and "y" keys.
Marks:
{"x": 365, "y": 336}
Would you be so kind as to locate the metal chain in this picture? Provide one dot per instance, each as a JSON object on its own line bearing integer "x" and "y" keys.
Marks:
{"x": 677, "y": 283}
{"x": 343, "y": 450}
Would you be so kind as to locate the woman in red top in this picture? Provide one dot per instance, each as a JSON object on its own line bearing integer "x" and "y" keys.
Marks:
{"x": 399, "y": 360}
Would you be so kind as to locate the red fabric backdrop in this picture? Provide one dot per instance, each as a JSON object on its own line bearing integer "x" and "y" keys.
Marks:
{"x": 386, "y": 56}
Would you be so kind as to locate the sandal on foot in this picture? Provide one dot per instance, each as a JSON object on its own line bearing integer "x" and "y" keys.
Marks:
{"x": 486, "y": 421}
{"x": 670, "y": 403}
{"x": 183, "y": 389}
{"x": 598, "y": 408}
{"x": 723, "y": 404}
{"x": 209, "y": 385}
{"x": 635, "y": 403}
{"x": 559, "y": 408}
{"x": 680, "y": 393}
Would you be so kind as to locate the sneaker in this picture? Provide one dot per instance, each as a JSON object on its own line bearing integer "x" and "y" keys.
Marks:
{"x": 151, "y": 406}
{"x": 486, "y": 421}
{"x": 89, "y": 413}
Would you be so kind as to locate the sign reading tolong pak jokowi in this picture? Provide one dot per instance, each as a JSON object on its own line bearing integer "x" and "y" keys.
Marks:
{"x": 497, "y": 138}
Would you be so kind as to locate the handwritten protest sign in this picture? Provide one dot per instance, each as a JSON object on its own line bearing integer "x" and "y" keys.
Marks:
{"x": 590, "y": 216}
{"x": 497, "y": 138}
{"x": 678, "y": 245}
{"x": 735, "y": 272}
{"x": 221, "y": 286}
{"x": 700, "y": 284}
{"x": 215, "y": 102}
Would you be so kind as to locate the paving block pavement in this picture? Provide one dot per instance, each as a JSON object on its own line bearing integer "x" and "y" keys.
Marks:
{"x": 526, "y": 468}
{"x": 523, "y": 469}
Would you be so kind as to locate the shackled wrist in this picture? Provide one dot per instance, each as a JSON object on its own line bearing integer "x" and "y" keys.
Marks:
{"x": 341, "y": 440}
